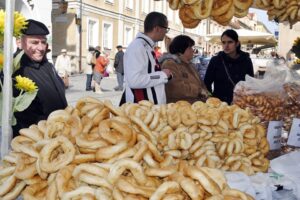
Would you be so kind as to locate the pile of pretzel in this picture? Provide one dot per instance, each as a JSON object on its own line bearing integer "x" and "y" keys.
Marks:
{"x": 280, "y": 10}
{"x": 191, "y": 12}
{"x": 137, "y": 151}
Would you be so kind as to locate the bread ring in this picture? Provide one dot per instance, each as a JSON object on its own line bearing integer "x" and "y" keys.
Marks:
{"x": 84, "y": 158}
{"x": 226, "y": 17}
{"x": 160, "y": 172}
{"x": 64, "y": 180}
{"x": 6, "y": 171}
{"x": 92, "y": 179}
{"x": 121, "y": 165}
{"x": 163, "y": 189}
{"x": 110, "y": 151}
{"x": 220, "y": 7}
{"x": 91, "y": 169}
{"x": 201, "y": 9}
{"x": 131, "y": 188}
{"x": 25, "y": 167}
{"x": 115, "y": 111}
{"x": 32, "y": 191}
{"x": 15, "y": 192}
{"x": 208, "y": 183}
{"x": 7, "y": 185}
{"x": 175, "y": 4}
{"x": 62, "y": 160}
{"x": 187, "y": 21}
{"x": 243, "y": 4}
{"x": 33, "y": 134}
{"x": 145, "y": 130}
{"x": 188, "y": 117}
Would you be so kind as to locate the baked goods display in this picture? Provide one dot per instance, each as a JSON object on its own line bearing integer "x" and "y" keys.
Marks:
{"x": 191, "y": 12}
{"x": 280, "y": 10}
{"x": 291, "y": 105}
{"x": 136, "y": 151}
{"x": 268, "y": 106}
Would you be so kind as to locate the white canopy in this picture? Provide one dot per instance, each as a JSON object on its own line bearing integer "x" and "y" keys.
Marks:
{"x": 246, "y": 37}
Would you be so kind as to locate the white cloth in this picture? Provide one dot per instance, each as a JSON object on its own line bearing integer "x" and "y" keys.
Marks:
{"x": 88, "y": 66}
{"x": 136, "y": 74}
{"x": 63, "y": 65}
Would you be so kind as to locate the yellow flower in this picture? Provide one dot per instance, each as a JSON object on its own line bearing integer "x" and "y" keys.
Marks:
{"x": 25, "y": 84}
{"x": 19, "y": 24}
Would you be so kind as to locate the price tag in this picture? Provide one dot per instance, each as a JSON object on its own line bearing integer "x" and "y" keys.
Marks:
{"x": 294, "y": 137}
{"x": 274, "y": 134}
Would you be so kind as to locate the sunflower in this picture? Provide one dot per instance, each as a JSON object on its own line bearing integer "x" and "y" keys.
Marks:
{"x": 25, "y": 84}
{"x": 19, "y": 24}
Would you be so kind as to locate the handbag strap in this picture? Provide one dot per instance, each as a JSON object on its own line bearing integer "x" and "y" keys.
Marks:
{"x": 226, "y": 70}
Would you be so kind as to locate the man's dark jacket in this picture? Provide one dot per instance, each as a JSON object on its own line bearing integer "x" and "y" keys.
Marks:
{"x": 118, "y": 65}
{"x": 50, "y": 96}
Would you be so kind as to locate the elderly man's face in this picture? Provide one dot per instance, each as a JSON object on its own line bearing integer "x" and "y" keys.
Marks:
{"x": 34, "y": 46}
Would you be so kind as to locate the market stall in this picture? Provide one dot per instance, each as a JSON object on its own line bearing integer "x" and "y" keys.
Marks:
{"x": 246, "y": 37}
{"x": 205, "y": 150}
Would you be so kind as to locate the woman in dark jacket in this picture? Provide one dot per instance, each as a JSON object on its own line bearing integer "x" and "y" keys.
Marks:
{"x": 228, "y": 68}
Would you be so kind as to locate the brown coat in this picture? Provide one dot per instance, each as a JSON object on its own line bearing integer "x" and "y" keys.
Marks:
{"x": 185, "y": 84}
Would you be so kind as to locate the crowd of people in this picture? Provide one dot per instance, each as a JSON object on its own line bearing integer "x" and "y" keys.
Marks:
{"x": 143, "y": 71}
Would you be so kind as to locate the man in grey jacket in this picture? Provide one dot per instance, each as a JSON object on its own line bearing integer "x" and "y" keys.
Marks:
{"x": 118, "y": 65}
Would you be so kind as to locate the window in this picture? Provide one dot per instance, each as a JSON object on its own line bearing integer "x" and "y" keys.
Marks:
{"x": 107, "y": 35}
{"x": 129, "y": 4}
{"x": 145, "y": 6}
{"x": 92, "y": 32}
{"x": 128, "y": 35}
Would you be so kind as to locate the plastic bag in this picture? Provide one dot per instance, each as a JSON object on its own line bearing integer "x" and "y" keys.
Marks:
{"x": 264, "y": 97}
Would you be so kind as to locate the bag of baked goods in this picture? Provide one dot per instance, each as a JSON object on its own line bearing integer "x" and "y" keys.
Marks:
{"x": 265, "y": 98}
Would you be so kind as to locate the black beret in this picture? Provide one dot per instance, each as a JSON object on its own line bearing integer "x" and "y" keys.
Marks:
{"x": 35, "y": 28}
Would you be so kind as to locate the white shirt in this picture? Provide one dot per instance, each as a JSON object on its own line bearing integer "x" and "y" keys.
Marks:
{"x": 136, "y": 59}
{"x": 63, "y": 65}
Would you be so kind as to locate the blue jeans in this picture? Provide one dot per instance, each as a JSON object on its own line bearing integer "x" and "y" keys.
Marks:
{"x": 120, "y": 79}
{"x": 88, "y": 81}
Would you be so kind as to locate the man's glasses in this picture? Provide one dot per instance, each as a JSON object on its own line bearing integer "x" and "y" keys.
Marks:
{"x": 167, "y": 28}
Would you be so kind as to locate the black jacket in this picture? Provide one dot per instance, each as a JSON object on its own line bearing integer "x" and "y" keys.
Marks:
{"x": 216, "y": 74}
{"x": 50, "y": 96}
{"x": 118, "y": 65}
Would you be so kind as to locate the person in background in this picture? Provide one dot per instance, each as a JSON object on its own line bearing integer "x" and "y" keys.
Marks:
{"x": 144, "y": 78}
{"x": 228, "y": 67}
{"x": 35, "y": 66}
{"x": 185, "y": 84}
{"x": 19, "y": 48}
{"x": 157, "y": 51}
{"x": 101, "y": 63}
{"x": 63, "y": 67}
{"x": 88, "y": 70}
{"x": 119, "y": 67}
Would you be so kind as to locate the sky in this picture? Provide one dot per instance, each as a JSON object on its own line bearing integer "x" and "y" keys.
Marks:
{"x": 262, "y": 16}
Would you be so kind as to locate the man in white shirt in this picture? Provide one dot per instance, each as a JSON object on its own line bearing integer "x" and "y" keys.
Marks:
{"x": 63, "y": 67}
{"x": 144, "y": 78}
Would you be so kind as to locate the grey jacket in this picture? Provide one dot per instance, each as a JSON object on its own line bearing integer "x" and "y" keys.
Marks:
{"x": 118, "y": 65}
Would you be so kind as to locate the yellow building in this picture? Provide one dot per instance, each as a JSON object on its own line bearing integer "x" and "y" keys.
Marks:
{"x": 108, "y": 23}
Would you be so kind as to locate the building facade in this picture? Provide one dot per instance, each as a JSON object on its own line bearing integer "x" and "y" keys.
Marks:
{"x": 108, "y": 23}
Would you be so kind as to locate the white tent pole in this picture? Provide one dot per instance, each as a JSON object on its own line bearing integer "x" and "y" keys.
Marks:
{"x": 7, "y": 83}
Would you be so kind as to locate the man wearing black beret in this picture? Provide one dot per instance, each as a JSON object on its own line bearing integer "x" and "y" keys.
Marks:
{"x": 34, "y": 65}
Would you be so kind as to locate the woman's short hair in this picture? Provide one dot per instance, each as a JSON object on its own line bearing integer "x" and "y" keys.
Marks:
{"x": 233, "y": 35}
{"x": 180, "y": 43}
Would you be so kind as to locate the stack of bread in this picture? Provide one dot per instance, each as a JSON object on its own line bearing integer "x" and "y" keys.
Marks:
{"x": 191, "y": 12}
{"x": 137, "y": 151}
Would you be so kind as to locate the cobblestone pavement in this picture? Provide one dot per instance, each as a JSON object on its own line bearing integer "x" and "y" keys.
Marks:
{"x": 77, "y": 89}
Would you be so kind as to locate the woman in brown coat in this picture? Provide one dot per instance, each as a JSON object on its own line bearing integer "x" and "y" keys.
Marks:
{"x": 185, "y": 84}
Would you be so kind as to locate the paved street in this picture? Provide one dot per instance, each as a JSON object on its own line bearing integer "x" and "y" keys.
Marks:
{"x": 77, "y": 89}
